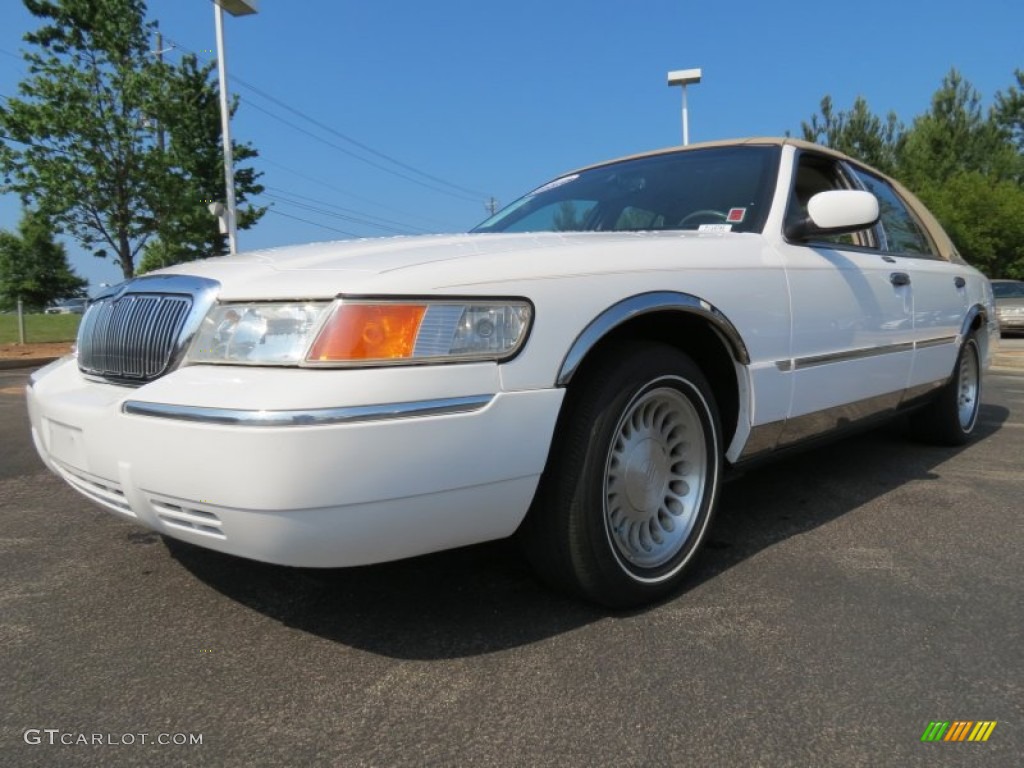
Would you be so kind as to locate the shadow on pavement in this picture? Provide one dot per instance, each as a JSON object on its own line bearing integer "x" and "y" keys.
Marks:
{"x": 484, "y": 599}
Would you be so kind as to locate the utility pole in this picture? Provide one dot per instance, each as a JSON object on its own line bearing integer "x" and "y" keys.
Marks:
{"x": 491, "y": 206}
{"x": 160, "y": 59}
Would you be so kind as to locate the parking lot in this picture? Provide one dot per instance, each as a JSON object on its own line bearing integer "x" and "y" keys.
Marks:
{"x": 848, "y": 597}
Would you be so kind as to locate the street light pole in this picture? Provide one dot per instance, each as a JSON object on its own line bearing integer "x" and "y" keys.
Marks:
{"x": 685, "y": 77}
{"x": 235, "y": 8}
{"x": 225, "y": 131}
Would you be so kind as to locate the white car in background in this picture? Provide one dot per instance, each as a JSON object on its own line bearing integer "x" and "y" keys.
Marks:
{"x": 582, "y": 368}
{"x": 68, "y": 307}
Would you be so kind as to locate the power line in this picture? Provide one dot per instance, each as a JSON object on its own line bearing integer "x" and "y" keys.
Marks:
{"x": 361, "y": 216}
{"x": 326, "y": 212}
{"x": 354, "y": 196}
{"x": 314, "y": 223}
{"x": 476, "y": 194}
{"x": 384, "y": 224}
{"x": 352, "y": 154}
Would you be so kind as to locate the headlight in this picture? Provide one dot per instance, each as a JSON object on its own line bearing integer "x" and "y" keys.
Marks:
{"x": 355, "y": 332}
{"x": 261, "y": 334}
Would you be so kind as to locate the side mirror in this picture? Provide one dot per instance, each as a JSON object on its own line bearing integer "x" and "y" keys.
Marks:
{"x": 836, "y": 212}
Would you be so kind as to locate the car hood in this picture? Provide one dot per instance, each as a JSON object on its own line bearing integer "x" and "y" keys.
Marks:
{"x": 433, "y": 263}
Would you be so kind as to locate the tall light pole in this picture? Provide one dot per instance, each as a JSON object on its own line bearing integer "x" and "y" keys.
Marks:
{"x": 235, "y": 8}
{"x": 684, "y": 77}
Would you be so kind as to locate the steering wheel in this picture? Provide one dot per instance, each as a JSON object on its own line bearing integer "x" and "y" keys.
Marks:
{"x": 711, "y": 216}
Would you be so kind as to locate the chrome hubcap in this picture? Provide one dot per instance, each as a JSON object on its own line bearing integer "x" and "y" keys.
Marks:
{"x": 654, "y": 477}
{"x": 967, "y": 397}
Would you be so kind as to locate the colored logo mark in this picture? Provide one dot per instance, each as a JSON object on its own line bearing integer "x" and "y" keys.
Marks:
{"x": 958, "y": 730}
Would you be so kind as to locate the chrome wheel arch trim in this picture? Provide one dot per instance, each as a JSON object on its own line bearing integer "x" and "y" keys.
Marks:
{"x": 645, "y": 304}
{"x": 972, "y": 313}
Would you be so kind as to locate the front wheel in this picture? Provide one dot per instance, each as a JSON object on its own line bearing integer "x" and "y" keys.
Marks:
{"x": 633, "y": 478}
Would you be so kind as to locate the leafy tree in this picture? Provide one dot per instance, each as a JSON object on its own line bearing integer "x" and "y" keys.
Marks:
{"x": 185, "y": 229}
{"x": 34, "y": 267}
{"x": 1009, "y": 111}
{"x": 955, "y": 136}
{"x": 985, "y": 218}
{"x": 89, "y": 157}
{"x": 858, "y": 133}
{"x": 965, "y": 163}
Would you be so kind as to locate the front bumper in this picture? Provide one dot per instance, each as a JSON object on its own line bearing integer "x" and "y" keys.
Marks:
{"x": 313, "y": 493}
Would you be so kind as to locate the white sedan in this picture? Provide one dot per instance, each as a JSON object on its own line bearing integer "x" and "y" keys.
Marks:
{"x": 581, "y": 369}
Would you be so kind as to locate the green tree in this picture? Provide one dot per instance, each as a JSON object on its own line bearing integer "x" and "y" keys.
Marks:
{"x": 1009, "y": 112}
{"x": 965, "y": 162}
{"x": 985, "y": 218}
{"x": 858, "y": 133}
{"x": 34, "y": 267}
{"x": 956, "y": 136}
{"x": 88, "y": 155}
{"x": 186, "y": 230}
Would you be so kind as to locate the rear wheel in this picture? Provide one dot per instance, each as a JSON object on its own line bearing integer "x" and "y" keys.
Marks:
{"x": 632, "y": 480}
{"x": 951, "y": 417}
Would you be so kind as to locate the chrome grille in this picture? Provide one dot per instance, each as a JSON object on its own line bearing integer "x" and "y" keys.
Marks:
{"x": 131, "y": 337}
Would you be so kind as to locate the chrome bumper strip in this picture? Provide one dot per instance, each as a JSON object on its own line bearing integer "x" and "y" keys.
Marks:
{"x": 314, "y": 417}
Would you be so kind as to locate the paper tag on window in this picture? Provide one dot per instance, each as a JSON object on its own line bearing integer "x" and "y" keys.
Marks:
{"x": 715, "y": 228}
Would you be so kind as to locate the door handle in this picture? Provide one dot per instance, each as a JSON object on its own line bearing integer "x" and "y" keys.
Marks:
{"x": 959, "y": 282}
{"x": 899, "y": 278}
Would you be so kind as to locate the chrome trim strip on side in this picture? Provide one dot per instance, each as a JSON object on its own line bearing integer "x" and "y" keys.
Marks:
{"x": 858, "y": 354}
{"x": 851, "y": 354}
{"x": 314, "y": 417}
{"x": 936, "y": 342}
{"x": 644, "y": 304}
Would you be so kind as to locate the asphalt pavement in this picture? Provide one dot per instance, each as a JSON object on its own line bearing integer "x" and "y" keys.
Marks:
{"x": 848, "y": 597}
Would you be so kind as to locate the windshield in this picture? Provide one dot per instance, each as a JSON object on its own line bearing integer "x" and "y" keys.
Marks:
{"x": 725, "y": 189}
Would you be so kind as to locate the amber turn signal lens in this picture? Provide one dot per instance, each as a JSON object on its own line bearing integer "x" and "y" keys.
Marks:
{"x": 361, "y": 332}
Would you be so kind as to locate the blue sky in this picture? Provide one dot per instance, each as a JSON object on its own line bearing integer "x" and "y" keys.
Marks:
{"x": 498, "y": 97}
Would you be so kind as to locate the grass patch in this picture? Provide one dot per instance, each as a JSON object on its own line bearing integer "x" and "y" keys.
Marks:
{"x": 39, "y": 328}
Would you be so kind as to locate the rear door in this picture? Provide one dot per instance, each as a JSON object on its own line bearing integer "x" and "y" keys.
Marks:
{"x": 939, "y": 287}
